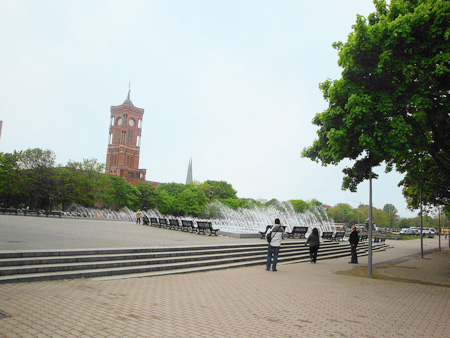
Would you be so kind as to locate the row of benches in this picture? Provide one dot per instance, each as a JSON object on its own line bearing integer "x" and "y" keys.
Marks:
{"x": 301, "y": 231}
{"x": 27, "y": 212}
{"x": 326, "y": 235}
{"x": 331, "y": 236}
{"x": 201, "y": 227}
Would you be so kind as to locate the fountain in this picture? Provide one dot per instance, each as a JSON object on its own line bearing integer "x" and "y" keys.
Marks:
{"x": 240, "y": 221}
{"x": 256, "y": 219}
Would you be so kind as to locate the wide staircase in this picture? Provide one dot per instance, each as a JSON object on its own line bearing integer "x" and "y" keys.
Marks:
{"x": 104, "y": 264}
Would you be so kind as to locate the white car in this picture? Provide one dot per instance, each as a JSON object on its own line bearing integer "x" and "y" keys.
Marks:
{"x": 408, "y": 231}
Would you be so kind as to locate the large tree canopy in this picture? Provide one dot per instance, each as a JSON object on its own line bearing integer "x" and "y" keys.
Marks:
{"x": 392, "y": 103}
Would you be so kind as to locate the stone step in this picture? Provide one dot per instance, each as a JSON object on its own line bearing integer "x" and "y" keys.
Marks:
{"x": 187, "y": 262}
{"x": 60, "y": 263}
{"x": 301, "y": 259}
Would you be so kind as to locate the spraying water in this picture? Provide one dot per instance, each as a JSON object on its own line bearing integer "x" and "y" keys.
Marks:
{"x": 227, "y": 219}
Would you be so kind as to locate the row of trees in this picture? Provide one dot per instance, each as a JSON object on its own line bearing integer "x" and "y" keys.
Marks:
{"x": 30, "y": 179}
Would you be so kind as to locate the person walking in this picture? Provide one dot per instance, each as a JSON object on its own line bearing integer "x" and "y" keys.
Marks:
{"x": 314, "y": 242}
{"x": 138, "y": 216}
{"x": 276, "y": 235}
{"x": 354, "y": 240}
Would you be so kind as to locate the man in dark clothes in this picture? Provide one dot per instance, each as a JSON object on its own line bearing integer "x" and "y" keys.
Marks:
{"x": 354, "y": 240}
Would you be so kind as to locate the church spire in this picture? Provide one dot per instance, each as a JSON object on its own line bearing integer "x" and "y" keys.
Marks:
{"x": 189, "y": 174}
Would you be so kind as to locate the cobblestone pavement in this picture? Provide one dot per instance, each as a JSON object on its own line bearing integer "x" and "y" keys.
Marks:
{"x": 408, "y": 297}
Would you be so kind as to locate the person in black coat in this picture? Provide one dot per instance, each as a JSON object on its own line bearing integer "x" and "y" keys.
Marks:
{"x": 354, "y": 240}
{"x": 314, "y": 243}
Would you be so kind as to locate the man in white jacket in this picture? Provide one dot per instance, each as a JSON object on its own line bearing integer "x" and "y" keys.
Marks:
{"x": 276, "y": 234}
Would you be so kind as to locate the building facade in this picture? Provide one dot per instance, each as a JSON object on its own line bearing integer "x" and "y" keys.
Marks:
{"x": 124, "y": 142}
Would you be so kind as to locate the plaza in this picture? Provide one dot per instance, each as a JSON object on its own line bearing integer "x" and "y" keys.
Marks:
{"x": 407, "y": 296}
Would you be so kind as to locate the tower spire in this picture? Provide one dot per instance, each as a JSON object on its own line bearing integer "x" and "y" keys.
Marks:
{"x": 129, "y": 90}
{"x": 189, "y": 174}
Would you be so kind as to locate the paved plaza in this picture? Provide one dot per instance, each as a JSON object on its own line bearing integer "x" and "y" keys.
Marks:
{"x": 407, "y": 297}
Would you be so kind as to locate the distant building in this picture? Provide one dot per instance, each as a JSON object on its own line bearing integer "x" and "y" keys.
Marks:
{"x": 124, "y": 143}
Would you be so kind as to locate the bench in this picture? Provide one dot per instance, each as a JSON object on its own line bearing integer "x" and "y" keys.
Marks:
{"x": 174, "y": 224}
{"x": 203, "y": 226}
{"x": 363, "y": 238}
{"x": 379, "y": 239}
{"x": 186, "y": 225}
{"x": 162, "y": 223}
{"x": 301, "y": 231}
{"x": 263, "y": 233}
{"x": 327, "y": 235}
{"x": 145, "y": 220}
{"x": 339, "y": 236}
{"x": 54, "y": 213}
{"x": 9, "y": 211}
{"x": 154, "y": 221}
{"x": 31, "y": 212}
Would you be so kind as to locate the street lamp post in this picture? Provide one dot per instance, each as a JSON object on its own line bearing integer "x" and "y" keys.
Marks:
{"x": 439, "y": 231}
{"x": 369, "y": 263}
{"x": 421, "y": 224}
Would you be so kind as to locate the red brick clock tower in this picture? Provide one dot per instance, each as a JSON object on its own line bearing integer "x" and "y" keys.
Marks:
{"x": 124, "y": 142}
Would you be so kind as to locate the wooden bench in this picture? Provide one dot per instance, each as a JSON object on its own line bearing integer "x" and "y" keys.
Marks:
{"x": 9, "y": 211}
{"x": 301, "y": 231}
{"x": 186, "y": 225}
{"x": 363, "y": 238}
{"x": 54, "y": 213}
{"x": 339, "y": 236}
{"x": 327, "y": 235}
{"x": 379, "y": 239}
{"x": 203, "y": 226}
{"x": 31, "y": 212}
{"x": 162, "y": 223}
{"x": 263, "y": 233}
{"x": 174, "y": 224}
{"x": 154, "y": 221}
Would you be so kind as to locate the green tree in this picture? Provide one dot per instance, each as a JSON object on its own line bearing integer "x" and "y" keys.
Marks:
{"x": 166, "y": 204}
{"x": 299, "y": 205}
{"x": 392, "y": 104}
{"x": 343, "y": 213}
{"x": 149, "y": 196}
{"x": 218, "y": 190}
{"x": 11, "y": 179}
{"x": 117, "y": 193}
{"x": 173, "y": 189}
{"x": 39, "y": 177}
{"x": 192, "y": 201}
{"x": 391, "y": 211}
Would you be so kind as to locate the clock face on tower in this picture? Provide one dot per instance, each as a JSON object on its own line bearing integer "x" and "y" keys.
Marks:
{"x": 119, "y": 121}
{"x": 131, "y": 122}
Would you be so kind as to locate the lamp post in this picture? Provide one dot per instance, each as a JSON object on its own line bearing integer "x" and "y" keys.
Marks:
{"x": 369, "y": 262}
{"x": 421, "y": 224}
{"x": 439, "y": 230}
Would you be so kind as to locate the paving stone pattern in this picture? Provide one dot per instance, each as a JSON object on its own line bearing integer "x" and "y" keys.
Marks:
{"x": 299, "y": 300}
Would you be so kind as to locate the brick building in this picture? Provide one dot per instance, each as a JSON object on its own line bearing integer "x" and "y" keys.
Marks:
{"x": 124, "y": 142}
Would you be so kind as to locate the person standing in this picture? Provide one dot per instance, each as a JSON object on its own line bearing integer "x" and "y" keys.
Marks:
{"x": 314, "y": 243}
{"x": 138, "y": 216}
{"x": 276, "y": 234}
{"x": 354, "y": 240}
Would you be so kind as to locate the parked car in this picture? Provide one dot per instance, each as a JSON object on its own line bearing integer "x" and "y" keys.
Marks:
{"x": 408, "y": 231}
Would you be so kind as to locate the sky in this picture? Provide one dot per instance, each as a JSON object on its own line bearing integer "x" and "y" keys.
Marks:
{"x": 234, "y": 85}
